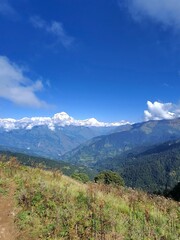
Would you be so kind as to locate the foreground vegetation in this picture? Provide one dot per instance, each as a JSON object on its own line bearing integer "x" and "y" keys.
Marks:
{"x": 36, "y": 161}
{"x": 52, "y": 206}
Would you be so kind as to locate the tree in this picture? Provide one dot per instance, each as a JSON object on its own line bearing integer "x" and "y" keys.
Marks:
{"x": 175, "y": 193}
{"x": 82, "y": 177}
{"x": 109, "y": 177}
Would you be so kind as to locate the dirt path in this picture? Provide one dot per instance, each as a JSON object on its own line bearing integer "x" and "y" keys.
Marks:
{"x": 7, "y": 226}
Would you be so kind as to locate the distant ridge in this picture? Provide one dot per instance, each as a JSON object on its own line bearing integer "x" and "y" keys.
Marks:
{"x": 132, "y": 139}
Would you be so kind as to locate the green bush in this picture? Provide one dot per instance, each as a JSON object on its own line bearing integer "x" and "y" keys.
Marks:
{"x": 82, "y": 177}
{"x": 109, "y": 177}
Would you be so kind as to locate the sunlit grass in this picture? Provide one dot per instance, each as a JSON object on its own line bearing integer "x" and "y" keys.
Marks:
{"x": 53, "y": 206}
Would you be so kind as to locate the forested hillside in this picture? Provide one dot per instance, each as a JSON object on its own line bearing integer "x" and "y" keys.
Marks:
{"x": 134, "y": 139}
{"x": 157, "y": 169}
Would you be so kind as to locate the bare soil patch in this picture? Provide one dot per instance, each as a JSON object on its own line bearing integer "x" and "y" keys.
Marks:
{"x": 7, "y": 208}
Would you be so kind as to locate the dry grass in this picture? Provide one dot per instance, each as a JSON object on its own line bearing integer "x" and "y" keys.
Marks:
{"x": 53, "y": 206}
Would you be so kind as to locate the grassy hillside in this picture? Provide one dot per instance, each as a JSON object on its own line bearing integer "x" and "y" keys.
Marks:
{"x": 65, "y": 168}
{"x": 51, "y": 206}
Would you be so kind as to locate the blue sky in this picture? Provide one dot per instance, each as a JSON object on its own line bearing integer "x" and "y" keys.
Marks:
{"x": 104, "y": 59}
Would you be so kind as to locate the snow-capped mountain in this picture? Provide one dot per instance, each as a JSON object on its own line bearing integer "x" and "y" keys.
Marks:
{"x": 59, "y": 119}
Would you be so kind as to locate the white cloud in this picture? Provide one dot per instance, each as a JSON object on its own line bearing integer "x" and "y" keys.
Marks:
{"x": 158, "y": 111}
{"x": 166, "y": 12}
{"x": 6, "y": 8}
{"x": 16, "y": 87}
{"x": 55, "y": 28}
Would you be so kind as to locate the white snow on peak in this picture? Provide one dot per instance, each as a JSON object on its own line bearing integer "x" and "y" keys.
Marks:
{"x": 61, "y": 116}
{"x": 59, "y": 119}
{"x": 62, "y": 119}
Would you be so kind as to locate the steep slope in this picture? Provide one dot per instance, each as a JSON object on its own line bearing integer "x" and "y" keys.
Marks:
{"x": 137, "y": 138}
{"x": 56, "y": 207}
{"x": 65, "y": 168}
{"x": 157, "y": 169}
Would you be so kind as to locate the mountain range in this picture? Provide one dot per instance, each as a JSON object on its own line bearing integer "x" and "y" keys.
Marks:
{"x": 146, "y": 154}
{"x": 50, "y": 137}
{"x": 59, "y": 119}
{"x": 132, "y": 139}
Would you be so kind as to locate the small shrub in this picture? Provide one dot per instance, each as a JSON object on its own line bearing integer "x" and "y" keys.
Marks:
{"x": 81, "y": 177}
{"x": 109, "y": 178}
